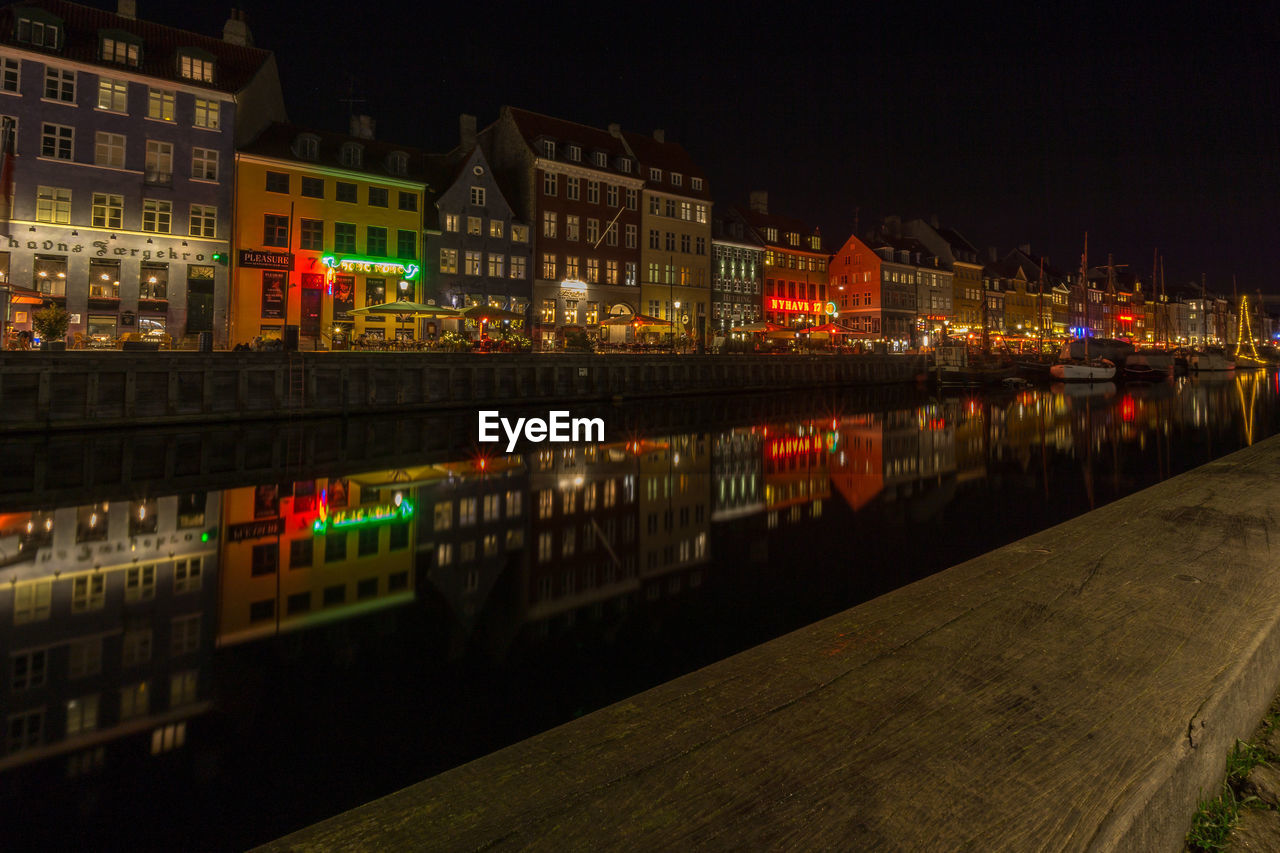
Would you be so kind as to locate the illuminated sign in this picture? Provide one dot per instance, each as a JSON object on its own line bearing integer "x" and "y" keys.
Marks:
{"x": 801, "y": 445}
{"x": 362, "y": 516}
{"x": 832, "y": 310}
{"x": 265, "y": 260}
{"x": 378, "y": 266}
{"x": 254, "y": 530}
{"x": 798, "y": 306}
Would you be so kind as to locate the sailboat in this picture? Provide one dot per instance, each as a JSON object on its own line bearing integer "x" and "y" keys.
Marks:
{"x": 1086, "y": 369}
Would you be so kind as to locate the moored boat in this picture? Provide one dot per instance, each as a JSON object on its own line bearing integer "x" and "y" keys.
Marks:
{"x": 1209, "y": 361}
{"x": 1098, "y": 370}
{"x": 1148, "y": 365}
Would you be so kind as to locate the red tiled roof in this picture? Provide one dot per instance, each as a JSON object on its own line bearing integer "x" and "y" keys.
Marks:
{"x": 234, "y": 65}
{"x": 534, "y": 126}
{"x": 279, "y": 138}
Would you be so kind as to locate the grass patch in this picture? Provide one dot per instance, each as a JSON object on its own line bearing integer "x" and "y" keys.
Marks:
{"x": 1214, "y": 819}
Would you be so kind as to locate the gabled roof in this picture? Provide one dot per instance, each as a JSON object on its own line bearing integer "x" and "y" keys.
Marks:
{"x": 279, "y": 140}
{"x": 722, "y": 220}
{"x": 880, "y": 239}
{"x": 535, "y": 126}
{"x": 1030, "y": 265}
{"x": 670, "y": 157}
{"x": 234, "y": 65}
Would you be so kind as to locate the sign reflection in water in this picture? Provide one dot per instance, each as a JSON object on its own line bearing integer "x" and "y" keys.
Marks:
{"x": 116, "y": 617}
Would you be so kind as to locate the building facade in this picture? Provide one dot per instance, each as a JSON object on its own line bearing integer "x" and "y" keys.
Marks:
{"x": 125, "y": 134}
{"x": 477, "y": 251}
{"x": 737, "y": 271}
{"x": 335, "y": 222}
{"x": 675, "y": 229}
{"x": 579, "y": 188}
{"x": 795, "y": 267}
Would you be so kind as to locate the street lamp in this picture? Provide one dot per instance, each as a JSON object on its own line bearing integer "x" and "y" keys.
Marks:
{"x": 674, "y": 319}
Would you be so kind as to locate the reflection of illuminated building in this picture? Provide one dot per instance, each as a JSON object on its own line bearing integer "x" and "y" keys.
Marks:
{"x": 312, "y": 551}
{"x": 737, "y": 469}
{"x": 107, "y": 613}
{"x": 857, "y": 468}
{"x": 583, "y": 539}
{"x": 474, "y": 524}
{"x": 673, "y": 508}
{"x": 796, "y": 478}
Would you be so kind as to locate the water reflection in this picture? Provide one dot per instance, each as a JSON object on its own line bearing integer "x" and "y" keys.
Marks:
{"x": 118, "y": 616}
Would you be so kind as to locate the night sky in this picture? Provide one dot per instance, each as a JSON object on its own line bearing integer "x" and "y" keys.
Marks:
{"x": 1146, "y": 128}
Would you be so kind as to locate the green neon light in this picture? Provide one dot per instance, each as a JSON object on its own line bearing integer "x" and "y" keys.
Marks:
{"x": 371, "y": 265}
{"x": 364, "y": 516}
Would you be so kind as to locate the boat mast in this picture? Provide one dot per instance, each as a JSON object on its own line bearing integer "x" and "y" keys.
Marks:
{"x": 1084, "y": 280}
{"x": 1040, "y": 311}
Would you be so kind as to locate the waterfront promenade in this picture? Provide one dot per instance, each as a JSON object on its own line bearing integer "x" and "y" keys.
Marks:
{"x": 41, "y": 391}
{"x": 1075, "y": 690}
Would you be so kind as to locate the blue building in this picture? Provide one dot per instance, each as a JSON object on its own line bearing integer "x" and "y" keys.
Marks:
{"x": 125, "y": 137}
{"x": 478, "y": 253}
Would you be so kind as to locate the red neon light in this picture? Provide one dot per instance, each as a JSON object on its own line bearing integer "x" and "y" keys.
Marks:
{"x": 1127, "y": 408}
{"x": 784, "y": 448}
{"x": 794, "y": 306}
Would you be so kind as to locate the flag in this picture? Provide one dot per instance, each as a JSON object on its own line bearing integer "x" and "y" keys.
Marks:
{"x": 7, "y": 154}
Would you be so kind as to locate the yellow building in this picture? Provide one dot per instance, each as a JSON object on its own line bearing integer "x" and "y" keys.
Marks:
{"x": 319, "y": 551}
{"x": 333, "y": 221}
{"x": 675, "y": 234}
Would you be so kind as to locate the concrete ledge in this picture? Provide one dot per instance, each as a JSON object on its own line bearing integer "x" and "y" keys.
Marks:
{"x": 1075, "y": 690}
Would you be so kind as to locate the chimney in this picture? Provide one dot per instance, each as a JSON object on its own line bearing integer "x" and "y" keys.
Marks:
{"x": 362, "y": 127}
{"x": 893, "y": 225}
{"x": 933, "y": 220}
{"x": 759, "y": 201}
{"x": 992, "y": 257}
{"x": 467, "y": 131}
{"x": 615, "y": 130}
{"x": 660, "y": 135}
{"x": 234, "y": 31}
{"x": 127, "y": 9}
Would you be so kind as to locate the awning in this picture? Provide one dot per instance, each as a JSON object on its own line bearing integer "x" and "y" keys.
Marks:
{"x": 22, "y": 296}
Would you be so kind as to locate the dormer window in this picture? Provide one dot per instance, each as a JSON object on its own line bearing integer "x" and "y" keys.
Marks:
{"x": 677, "y": 179}
{"x": 194, "y": 64}
{"x": 307, "y": 146}
{"x": 119, "y": 47}
{"x": 793, "y": 238}
{"x": 352, "y": 155}
{"x": 815, "y": 243}
{"x": 575, "y": 153}
{"x": 771, "y": 235}
{"x": 696, "y": 183}
{"x": 548, "y": 149}
{"x": 398, "y": 163}
{"x": 655, "y": 175}
{"x": 625, "y": 165}
{"x": 602, "y": 159}
{"x": 38, "y": 28}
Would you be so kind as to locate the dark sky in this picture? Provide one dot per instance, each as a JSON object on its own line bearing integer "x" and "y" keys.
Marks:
{"x": 1145, "y": 127}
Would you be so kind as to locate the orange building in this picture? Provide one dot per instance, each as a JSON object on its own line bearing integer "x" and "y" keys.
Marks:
{"x": 795, "y": 267}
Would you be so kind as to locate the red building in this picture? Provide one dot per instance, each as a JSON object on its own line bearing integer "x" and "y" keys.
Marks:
{"x": 795, "y": 267}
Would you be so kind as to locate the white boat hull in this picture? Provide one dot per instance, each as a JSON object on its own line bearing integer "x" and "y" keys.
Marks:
{"x": 1069, "y": 372}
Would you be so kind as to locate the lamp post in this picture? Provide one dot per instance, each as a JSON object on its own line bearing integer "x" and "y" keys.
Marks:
{"x": 675, "y": 316}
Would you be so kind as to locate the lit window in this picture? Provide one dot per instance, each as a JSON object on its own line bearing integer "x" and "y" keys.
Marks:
{"x": 113, "y": 95}
{"x": 208, "y": 114}
{"x": 118, "y": 50}
{"x": 160, "y": 104}
{"x": 195, "y": 68}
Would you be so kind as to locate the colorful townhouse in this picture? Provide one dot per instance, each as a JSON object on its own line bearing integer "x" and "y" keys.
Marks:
{"x": 325, "y": 223}
{"x": 124, "y": 133}
{"x": 795, "y": 267}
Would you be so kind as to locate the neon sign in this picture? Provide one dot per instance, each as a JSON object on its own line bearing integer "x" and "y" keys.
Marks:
{"x": 362, "y": 516}
{"x": 799, "y": 306}
{"x": 379, "y": 266}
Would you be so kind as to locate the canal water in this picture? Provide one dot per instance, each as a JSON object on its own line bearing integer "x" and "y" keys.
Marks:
{"x": 236, "y": 634}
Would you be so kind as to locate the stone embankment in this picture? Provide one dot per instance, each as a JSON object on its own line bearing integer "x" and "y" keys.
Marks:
{"x": 40, "y": 391}
{"x": 1075, "y": 690}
